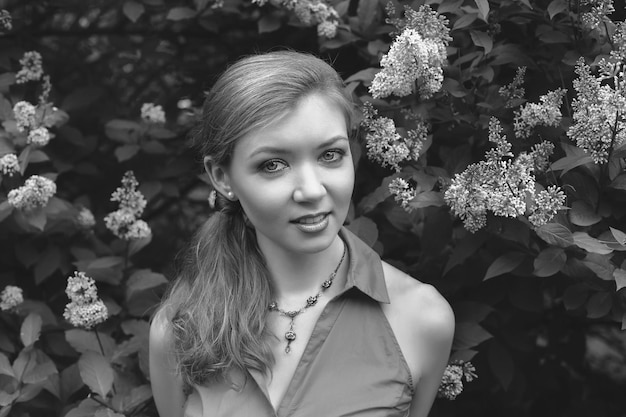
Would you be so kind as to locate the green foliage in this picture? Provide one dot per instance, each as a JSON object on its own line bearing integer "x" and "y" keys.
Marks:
{"x": 538, "y": 295}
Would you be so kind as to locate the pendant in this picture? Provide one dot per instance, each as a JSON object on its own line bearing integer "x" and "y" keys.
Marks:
{"x": 290, "y": 336}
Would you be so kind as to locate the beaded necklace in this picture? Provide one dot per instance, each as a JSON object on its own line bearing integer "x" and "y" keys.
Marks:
{"x": 290, "y": 335}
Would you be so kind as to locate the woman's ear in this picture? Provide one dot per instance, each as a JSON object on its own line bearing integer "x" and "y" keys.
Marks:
{"x": 219, "y": 177}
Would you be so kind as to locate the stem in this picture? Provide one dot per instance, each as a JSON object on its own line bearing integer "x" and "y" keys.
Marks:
{"x": 99, "y": 341}
{"x": 99, "y": 401}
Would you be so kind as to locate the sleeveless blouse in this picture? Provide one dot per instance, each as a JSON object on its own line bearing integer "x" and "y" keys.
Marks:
{"x": 351, "y": 366}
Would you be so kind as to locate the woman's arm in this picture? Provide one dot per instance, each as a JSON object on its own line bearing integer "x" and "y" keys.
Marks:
{"x": 423, "y": 324}
{"x": 167, "y": 387}
{"x": 435, "y": 333}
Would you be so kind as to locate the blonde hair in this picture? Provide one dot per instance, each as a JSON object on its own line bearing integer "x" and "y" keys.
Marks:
{"x": 220, "y": 301}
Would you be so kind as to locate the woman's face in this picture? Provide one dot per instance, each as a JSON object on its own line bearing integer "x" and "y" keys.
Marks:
{"x": 294, "y": 178}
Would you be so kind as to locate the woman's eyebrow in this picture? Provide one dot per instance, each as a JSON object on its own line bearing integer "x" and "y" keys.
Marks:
{"x": 275, "y": 150}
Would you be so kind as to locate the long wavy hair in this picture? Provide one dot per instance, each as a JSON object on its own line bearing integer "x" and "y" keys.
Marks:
{"x": 218, "y": 305}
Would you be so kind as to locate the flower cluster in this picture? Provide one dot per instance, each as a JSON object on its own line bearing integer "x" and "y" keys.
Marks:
{"x": 32, "y": 69}
{"x": 502, "y": 185}
{"x": 385, "y": 145}
{"x": 310, "y": 12}
{"x": 452, "y": 381}
{"x": 599, "y": 113}
{"x": 514, "y": 91}
{"x": 619, "y": 40}
{"x": 416, "y": 57}
{"x": 85, "y": 218}
{"x": 595, "y": 12}
{"x": 24, "y": 115}
{"x": 545, "y": 113}
{"x": 151, "y": 113}
{"x": 546, "y": 204}
{"x": 9, "y": 164}
{"x": 125, "y": 222}
{"x": 402, "y": 191}
{"x": 11, "y": 297}
{"x": 6, "y": 22}
{"x": 85, "y": 308}
{"x": 35, "y": 192}
{"x": 39, "y": 136}
{"x": 540, "y": 153}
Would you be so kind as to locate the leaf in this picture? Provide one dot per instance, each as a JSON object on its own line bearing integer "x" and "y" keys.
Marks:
{"x": 620, "y": 278}
{"x": 142, "y": 280}
{"x": 469, "y": 335}
{"x": 81, "y": 99}
{"x": 70, "y": 382}
{"x": 453, "y": 87}
{"x": 134, "y": 398}
{"x": 125, "y": 131}
{"x": 368, "y": 12}
{"x": 87, "y": 408}
{"x": 133, "y": 10}
{"x": 47, "y": 262}
{"x": 581, "y": 214}
{"x": 30, "y": 330}
{"x": 25, "y": 361}
{"x": 5, "y": 210}
{"x": 503, "y": 264}
{"x": 44, "y": 368}
{"x": 5, "y": 366}
{"x": 96, "y": 373}
{"x": 464, "y": 21}
{"x": 590, "y": 244}
{"x": 619, "y": 236}
{"x": 427, "y": 199}
{"x": 464, "y": 249}
{"x": 619, "y": 183}
{"x": 449, "y": 6}
{"x": 365, "y": 76}
{"x": 556, "y": 234}
{"x": 569, "y": 162}
{"x": 549, "y": 262}
{"x": 599, "y": 305}
{"x": 555, "y": 7}
{"x": 107, "y": 412}
{"x": 482, "y": 39}
{"x": 600, "y": 265}
{"x": 269, "y": 23}
{"x": 365, "y": 229}
{"x": 35, "y": 218}
{"x": 126, "y": 152}
{"x": 180, "y": 13}
{"x": 483, "y": 8}
{"x": 28, "y": 392}
{"x": 84, "y": 341}
{"x": 106, "y": 269}
{"x": 501, "y": 364}
{"x": 380, "y": 194}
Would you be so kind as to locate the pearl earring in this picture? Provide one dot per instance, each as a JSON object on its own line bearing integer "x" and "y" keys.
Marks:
{"x": 231, "y": 195}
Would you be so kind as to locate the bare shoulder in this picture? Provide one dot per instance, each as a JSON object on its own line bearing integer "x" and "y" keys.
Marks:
{"x": 419, "y": 306}
{"x": 161, "y": 336}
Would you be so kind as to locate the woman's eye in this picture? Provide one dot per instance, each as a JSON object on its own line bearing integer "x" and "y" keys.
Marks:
{"x": 332, "y": 155}
{"x": 273, "y": 166}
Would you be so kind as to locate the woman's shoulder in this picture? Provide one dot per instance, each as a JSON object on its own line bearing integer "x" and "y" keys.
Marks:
{"x": 419, "y": 305}
{"x": 161, "y": 327}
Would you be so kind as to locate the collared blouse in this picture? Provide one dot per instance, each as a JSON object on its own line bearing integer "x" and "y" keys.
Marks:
{"x": 351, "y": 366}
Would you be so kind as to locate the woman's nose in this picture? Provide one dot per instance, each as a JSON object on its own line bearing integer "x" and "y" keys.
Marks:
{"x": 309, "y": 186}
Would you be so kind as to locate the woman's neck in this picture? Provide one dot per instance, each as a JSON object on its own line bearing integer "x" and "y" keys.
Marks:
{"x": 297, "y": 276}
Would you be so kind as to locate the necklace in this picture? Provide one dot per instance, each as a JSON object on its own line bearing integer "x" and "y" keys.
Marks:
{"x": 290, "y": 335}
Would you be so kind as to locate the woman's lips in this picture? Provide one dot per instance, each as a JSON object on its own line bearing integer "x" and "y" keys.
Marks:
{"x": 312, "y": 224}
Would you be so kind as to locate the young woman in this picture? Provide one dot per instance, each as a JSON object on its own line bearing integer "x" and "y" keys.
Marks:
{"x": 280, "y": 310}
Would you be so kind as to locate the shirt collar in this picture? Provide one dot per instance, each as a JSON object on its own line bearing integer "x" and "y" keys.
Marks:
{"x": 365, "y": 271}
